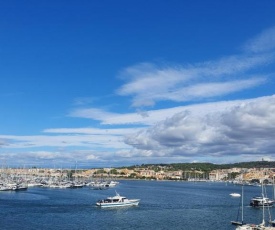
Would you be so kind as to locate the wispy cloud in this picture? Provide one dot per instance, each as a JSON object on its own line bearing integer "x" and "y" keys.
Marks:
{"x": 148, "y": 83}
{"x": 93, "y": 113}
{"x": 88, "y": 141}
{"x": 59, "y": 159}
{"x": 264, "y": 42}
{"x": 83, "y": 101}
{"x": 3, "y": 142}
{"x": 93, "y": 131}
{"x": 208, "y": 90}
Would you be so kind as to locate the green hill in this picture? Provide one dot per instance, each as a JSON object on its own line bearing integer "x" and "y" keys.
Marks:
{"x": 206, "y": 167}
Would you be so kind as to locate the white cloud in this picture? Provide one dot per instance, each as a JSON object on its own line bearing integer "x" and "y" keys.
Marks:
{"x": 240, "y": 128}
{"x": 188, "y": 132}
{"x": 3, "y": 142}
{"x": 247, "y": 128}
{"x": 92, "y": 131}
{"x": 55, "y": 158}
{"x": 149, "y": 84}
{"x": 208, "y": 90}
{"x": 151, "y": 117}
{"x": 88, "y": 141}
{"x": 83, "y": 101}
{"x": 43, "y": 155}
{"x": 265, "y": 42}
{"x": 93, "y": 113}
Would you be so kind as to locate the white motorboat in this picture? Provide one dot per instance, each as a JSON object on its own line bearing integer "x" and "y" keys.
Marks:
{"x": 235, "y": 194}
{"x": 5, "y": 188}
{"x": 112, "y": 183}
{"x": 117, "y": 201}
{"x": 20, "y": 187}
{"x": 99, "y": 185}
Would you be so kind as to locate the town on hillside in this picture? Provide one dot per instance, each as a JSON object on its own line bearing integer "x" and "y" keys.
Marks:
{"x": 253, "y": 172}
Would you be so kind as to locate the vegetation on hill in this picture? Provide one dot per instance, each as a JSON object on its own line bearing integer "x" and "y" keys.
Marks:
{"x": 206, "y": 167}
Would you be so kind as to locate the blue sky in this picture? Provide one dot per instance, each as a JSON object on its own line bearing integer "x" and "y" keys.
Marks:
{"x": 117, "y": 83}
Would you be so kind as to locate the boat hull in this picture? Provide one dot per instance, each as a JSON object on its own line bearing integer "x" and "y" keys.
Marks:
{"x": 118, "y": 204}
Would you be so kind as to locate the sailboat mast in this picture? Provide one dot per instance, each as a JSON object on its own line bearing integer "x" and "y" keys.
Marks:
{"x": 242, "y": 203}
{"x": 263, "y": 203}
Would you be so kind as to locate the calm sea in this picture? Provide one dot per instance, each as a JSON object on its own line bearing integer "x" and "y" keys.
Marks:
{"x": 164, "y": 205}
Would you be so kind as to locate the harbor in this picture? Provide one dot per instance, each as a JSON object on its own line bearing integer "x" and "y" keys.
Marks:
{"x": 163, "y": 205}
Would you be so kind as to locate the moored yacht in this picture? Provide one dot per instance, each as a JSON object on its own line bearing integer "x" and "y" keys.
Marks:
{"x": 260, "y": 201}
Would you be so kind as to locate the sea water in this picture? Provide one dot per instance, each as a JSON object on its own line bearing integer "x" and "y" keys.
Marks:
{"x": 164, "y": 205}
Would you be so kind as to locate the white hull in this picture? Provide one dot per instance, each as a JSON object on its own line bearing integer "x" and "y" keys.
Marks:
{"x": 117, "y": 201}
{"x": 118, "y": 204}
{"x": 235, "y": 194}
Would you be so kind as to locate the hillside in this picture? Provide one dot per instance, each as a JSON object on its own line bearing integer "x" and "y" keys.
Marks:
{"x": 207, "y": 166}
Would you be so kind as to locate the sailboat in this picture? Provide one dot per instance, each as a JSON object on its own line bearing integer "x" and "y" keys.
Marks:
{"x": 239, "y": 223}
{"x": 261, "y": 226}
{"x": 272, "y": 222}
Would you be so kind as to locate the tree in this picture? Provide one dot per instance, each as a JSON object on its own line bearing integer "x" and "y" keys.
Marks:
{"x": 113, "y": 171}
{"x": 133, "y": 175}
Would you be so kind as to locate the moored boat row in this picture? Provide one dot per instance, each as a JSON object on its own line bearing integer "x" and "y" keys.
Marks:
{"x": 13, "y": 187}
{"x": 10, "y": 185}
